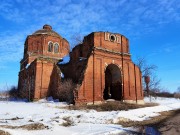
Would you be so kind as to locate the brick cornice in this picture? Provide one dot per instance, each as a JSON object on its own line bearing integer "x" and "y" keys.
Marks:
{"x": 110, "y": 51}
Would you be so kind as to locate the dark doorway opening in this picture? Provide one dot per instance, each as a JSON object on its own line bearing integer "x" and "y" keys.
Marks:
{"x": 113, "y": 83}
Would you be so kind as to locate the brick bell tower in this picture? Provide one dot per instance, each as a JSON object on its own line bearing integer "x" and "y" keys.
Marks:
{"x": 103, "y": 68}
{"x": 38, "y": 71}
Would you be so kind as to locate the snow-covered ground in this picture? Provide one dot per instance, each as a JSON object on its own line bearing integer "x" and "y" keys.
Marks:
{"x": 84, "y": 122}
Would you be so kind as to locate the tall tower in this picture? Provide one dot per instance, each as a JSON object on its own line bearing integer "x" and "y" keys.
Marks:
{"x": 103, "y": 69}
{"x": 42, "y": 50}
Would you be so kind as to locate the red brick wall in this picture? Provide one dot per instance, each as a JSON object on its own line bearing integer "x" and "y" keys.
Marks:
{"x": 99, "y": 49}
{"x": 54, "y": 81}
{"x": 37, "y": 45}
{"x": 46, "y": 73}
{"x": 26, "y": 83}
{"x": 93, "y": 85}
{"x": 94, "y": 80}
{"x": 42, "y": 62}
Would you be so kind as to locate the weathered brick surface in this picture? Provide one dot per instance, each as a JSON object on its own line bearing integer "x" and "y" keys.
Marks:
{"x": 42, "y": 75}
{"x": 101, "y": 65}
{"x": 101, "y": 53}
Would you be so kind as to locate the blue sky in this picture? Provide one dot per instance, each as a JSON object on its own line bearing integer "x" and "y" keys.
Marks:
{"x": 152, "y": 26}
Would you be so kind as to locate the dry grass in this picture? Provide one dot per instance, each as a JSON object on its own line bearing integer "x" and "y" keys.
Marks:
{"x": 68, "y": 122}
{"x": 66, "y": 90}
{"x": 4, "y": 133}
{"x": 110, "y": 106}
{"x": 34, "y": 126}
{"x": 153, "y": 121}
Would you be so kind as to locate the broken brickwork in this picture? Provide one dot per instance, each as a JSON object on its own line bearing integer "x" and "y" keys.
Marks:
{"x": 101, "y": 67}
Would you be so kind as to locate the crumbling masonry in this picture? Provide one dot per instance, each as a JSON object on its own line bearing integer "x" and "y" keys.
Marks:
{"x": 101, "y": 66}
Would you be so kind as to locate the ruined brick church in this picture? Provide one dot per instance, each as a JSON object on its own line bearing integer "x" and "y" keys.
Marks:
{"x": 101, "y": 66}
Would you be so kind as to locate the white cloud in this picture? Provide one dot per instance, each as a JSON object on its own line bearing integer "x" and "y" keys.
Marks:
{"x": 11, "y": 47}
{"x": 69, "y": 16}
{"x": 131, "y": 18}
{"x": 78, "y": 15}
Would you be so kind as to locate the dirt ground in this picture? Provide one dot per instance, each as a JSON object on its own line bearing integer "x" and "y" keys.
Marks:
{"x": 168, "y": 123}
{"x": 34, "y": 126}
{"x": 154, "y": 121}
{"x": 170, "y": 126}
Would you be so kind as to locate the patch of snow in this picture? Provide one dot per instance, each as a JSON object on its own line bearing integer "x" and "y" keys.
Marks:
{"x": 80, "y": 129}
{"x": 82, "y": 58}
{"x": 54, "y": 114}
{"x": 62, "y": 75}
{"x": 28, "y": 65}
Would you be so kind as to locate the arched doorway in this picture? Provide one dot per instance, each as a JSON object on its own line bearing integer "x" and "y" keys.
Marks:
{"x": 113, "y": 83}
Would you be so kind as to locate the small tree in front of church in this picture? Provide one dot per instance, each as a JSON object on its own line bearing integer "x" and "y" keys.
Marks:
{"x": 67, "y": 91}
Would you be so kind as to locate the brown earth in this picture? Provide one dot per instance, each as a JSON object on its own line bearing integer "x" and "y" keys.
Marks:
{"x": 168, "y": 123}
{"x": 151, "y": 122}
{"x": 170, "y": 126}
{"x": 4, "y": 133}
{"x": 110, "y": 106}
{"x": 33, "y": 126}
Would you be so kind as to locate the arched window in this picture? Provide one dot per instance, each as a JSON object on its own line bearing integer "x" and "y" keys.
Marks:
{"x": 50, "y": 47}
{"x": 56, "y": 48}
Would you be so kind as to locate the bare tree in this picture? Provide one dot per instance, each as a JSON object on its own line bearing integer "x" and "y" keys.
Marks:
{"x": 13, "y": 92}
{"x": 148, "y": 70}
{"x": 177, "y": 94}
{"x": 76, "y": 39}
{"x": 155, "y": 83}
{"x": 178, "y": 89}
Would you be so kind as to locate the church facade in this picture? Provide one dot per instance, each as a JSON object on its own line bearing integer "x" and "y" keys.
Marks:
{"x": 101, "y": 66}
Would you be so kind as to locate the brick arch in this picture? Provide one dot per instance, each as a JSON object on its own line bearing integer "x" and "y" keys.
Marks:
{"x": 50, "y": 46}
{"x": 56, "y": 47}
{"x": 113, "y": 82}
{"x": 106, "y": 65}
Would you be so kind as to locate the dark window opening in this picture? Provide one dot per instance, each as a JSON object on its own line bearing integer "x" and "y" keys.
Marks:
{"x": 56, "y": 48}
{"x": 112, "y": 38}
{"x": 50, "y": 47}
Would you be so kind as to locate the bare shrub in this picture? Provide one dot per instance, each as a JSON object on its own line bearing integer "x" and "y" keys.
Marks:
{"x": 165, "y": 94}
{"x": 16, "y": 93}
{"x": 4, "y": 96}
{"x": 13, "y": 92}
{"x": 67, "y": 91}
{"x": 177, "y": 95}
